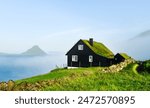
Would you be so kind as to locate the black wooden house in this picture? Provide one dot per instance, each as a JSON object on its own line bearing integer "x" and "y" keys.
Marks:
{"x": 121, "y": 57}
{"x": 87, "y": 53}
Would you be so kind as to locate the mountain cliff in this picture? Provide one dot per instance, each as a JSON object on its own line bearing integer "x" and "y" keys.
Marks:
{"x": 35, "y": 50}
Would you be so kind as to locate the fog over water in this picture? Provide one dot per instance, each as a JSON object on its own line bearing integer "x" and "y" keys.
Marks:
{"x": 139, "y": 47}
{"x": 18, "y": 67}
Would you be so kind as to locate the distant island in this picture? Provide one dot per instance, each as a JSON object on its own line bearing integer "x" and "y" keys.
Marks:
{"x": 34, "y": 51}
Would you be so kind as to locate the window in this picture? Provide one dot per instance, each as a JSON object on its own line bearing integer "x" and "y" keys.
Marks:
{"x": 99, "y": 63}
{"x": 80, "y": 47}
{"x": 74, "y": 58}
{"x": 90, "y": 58}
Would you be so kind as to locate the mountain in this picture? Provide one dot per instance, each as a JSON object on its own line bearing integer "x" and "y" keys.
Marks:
{"x": 143, "y": 34}
{"x": 8, "y": 54}
{"x": 3, "y": 54}
{"x": 35, "y": 50}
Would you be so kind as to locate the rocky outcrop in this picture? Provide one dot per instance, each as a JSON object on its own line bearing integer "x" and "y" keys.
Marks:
{"x": 7, "y": 86}
{"x": 118, "y": 67}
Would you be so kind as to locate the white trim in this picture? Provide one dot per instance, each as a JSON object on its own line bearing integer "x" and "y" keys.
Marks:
{"x": 70, "y": 67}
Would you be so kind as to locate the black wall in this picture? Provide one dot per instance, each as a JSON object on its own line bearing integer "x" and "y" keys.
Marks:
{"x": 118, "y": 58}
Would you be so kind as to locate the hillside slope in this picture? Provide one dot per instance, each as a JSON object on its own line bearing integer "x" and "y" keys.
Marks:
{"x": 85, "y": 79}
{"x": 88, "y": 79}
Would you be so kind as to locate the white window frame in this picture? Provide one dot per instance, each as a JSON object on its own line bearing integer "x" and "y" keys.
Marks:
{"x": 80, "y": 47}
{"x": 74, "y": 58}
{"x": 90, "y": 58}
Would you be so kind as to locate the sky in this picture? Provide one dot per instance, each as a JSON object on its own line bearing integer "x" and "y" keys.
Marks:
{"x": 56, "y": 25}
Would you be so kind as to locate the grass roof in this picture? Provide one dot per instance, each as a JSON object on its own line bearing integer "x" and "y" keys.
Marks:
{"x": 99, "y": 49}
{"x": 125, "y": 55}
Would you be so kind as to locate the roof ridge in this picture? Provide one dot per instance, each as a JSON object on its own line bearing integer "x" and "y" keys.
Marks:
{"x": 99, "y": 48}
{"x": 125, "y": 55}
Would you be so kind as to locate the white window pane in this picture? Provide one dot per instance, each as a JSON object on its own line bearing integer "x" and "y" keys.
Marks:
{"x": 80, "y": 47}
{"x": 74, "y": 58}
{"x": 90, "y": 58}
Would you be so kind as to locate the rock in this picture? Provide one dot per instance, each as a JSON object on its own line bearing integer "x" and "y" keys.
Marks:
{"x": 118, "y": 67}
{"x": 10, "y": 85}
{"x": 37, "y": 85}
{"x": 20, "y": 87}
{"x": 3, "y": 86}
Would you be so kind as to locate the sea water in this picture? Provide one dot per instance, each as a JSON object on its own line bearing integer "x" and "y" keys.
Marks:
{"x": 19, "y": 67}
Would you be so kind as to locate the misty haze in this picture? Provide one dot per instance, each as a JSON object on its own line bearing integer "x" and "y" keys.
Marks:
{"x": 55, "y": 25}
{"x": 18, "y": 67}
{"x": 138, "y": 47}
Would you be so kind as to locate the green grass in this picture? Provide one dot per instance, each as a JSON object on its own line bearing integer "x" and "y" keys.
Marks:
{"x": 124, "y": 55}
{"x": 92, "y": 79}
{"x": 51, "y": 75}
{"x": 135, "y": 69}
{"x": 55, "y": 74}
{"x": 100, "y": 49}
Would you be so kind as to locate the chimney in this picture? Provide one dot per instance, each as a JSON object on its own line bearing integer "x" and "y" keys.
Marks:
{"x": 91, "y": 41}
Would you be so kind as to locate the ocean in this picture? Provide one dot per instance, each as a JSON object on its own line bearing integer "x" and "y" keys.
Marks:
{"x": 20, "y": 67}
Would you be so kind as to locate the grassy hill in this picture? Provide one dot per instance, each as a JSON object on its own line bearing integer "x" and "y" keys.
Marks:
{"x": 88, "y": 79}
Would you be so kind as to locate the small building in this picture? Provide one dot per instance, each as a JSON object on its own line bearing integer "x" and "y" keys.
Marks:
{"x": 87, "y": 53}
{"x": 121, "y": 57}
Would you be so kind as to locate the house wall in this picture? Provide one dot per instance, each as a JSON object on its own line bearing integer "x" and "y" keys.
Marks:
{"x": 83, "y": 57}
{"x": 118, "y": 58}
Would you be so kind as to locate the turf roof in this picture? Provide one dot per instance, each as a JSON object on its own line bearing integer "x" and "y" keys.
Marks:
{"x": 124, "y": 55}
{"x": 99, "y": 49}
